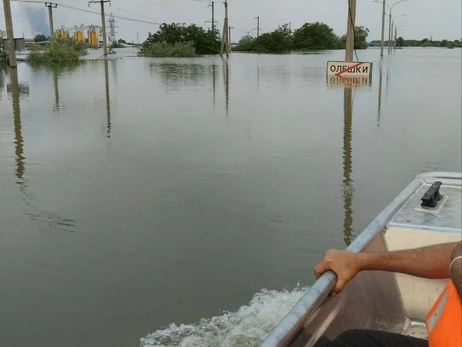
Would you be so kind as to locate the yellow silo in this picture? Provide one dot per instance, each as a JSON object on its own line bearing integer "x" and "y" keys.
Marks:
{"x": 93, "y": 39}
{"x": 78, "y": 35}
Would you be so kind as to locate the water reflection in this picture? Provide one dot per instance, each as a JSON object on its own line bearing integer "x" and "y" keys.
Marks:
{"x": 388, "y": 77}
{"x": 51, "y": 219}
{"x": 214, "y": 84}
{"x": 258, "y": 78}
{"x": 178, "y": 74}
{"x": 18, "y": 139}
{"x": 347, "y": 188}
{"x": 226, "y": 82}
{"x": 339, "y": 81}
{"x": 2, "y": 80}
{"x": 379, "y": 109}
{"x": 108, "y": 98}
{"x": 56, "y": 106}
{"x": 56, "y": 72}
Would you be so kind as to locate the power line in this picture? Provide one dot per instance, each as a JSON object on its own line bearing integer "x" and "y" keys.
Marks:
{"x": 173, "y": 7}
{"x": 118, "y": 17}
{"x": 129, "y": 12}
{"x": 245, "y": 31}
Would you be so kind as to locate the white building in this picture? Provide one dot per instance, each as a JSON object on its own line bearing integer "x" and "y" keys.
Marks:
{"x": 2, "y": 34}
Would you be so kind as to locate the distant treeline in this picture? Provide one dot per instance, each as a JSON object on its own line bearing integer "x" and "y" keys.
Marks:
{"x": 180, "y": 40}
{"x": 310, "y": 37}
{"x": 401, "y": 42}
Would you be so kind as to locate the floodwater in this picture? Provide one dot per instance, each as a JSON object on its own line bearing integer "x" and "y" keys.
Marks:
{"x": 184, "y": 202}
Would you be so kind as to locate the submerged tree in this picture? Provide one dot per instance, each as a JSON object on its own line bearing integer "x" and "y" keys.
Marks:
{"x": 314, "y": 36}
{"x": 204, "y": 42}
{"x": 361, "y": 34}
{"x": 277, "y": 41}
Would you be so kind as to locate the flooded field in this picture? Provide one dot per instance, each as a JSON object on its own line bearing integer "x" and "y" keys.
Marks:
{"x": 184, "y": 202}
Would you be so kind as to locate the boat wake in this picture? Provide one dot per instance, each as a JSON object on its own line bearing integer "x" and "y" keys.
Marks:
{"x": 248, "y": 327}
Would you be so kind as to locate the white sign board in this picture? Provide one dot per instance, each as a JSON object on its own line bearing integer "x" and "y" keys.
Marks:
{"x": 350, "y": 69}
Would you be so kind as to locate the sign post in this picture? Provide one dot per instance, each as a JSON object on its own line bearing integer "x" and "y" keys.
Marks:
{"x": 9, "y": 33}
{"x": 350, "y": 36}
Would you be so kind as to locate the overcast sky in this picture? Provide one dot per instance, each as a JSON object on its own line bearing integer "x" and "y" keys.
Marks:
{"x": 424, "y": 18}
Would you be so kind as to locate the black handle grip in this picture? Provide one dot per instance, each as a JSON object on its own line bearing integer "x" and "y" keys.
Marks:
{"x": 432, "y": 196}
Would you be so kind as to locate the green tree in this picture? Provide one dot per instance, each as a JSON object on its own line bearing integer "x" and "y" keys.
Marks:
{"x": 400, "y": 42}
{"x": 361, "y": 35}
{"x": 444, "y": 43}
{"x": 245, "y": 44}
{"x": 204, "y": 42}
{"x": 314, "y": 36}
{"x": 278, "y": 41}
{"x": 41, "y": 38}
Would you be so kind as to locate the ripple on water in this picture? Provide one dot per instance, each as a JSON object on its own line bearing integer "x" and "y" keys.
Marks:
{"x": 248, "y": 327}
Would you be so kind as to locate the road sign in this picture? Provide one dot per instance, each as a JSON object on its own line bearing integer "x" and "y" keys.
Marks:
{"x": 350, "y": 69}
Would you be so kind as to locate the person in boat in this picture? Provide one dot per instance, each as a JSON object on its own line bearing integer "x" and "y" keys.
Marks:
{"x": 444, "y": 321}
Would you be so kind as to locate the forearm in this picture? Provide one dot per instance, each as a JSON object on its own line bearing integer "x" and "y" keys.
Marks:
{"x": 429, "y": 262}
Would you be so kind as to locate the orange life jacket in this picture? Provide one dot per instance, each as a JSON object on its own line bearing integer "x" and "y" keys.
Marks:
{"x": 444, "y": 321}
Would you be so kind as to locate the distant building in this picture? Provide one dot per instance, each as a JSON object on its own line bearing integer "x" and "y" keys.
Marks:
{"x": 78, "y": 36}
{"x": 2, "y": 34}
{"x": 95, "y": 36}
{"x": 62, "y": 33}
{"x": 19, "y": 44}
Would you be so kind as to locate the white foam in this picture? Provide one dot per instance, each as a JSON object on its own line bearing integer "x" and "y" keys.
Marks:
{"x": 248, "y": 327}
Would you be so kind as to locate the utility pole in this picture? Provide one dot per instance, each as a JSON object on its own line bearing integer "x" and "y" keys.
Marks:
{"x": 51, "y": 6}
{"x": 258, "y": 26}
{"x": 9, "y": 33}
{"x": 390, "y": 27}
{"x": 350, "y": 41}
{"x": 103, "y": 23}
{"x": 229, "y": 34}
{"x": 225, "y": 37}
{"x": 383, "y": 28}
{"x": 390, "y": 23}
{"x": 228, "y": 40}
{"x": 213, "y": 16}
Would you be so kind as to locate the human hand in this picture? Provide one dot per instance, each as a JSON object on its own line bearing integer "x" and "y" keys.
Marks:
{"x": 346, "y": 265}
